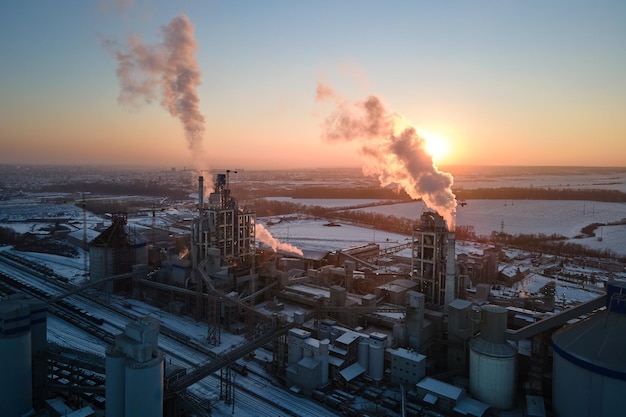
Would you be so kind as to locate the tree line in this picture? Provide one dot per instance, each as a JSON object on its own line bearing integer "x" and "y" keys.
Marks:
{"x": 516, "y": 193}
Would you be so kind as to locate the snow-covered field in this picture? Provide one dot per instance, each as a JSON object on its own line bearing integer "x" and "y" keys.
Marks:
{"x": 565, "y": 218}
{"x": 312, "y": 234}
{"x": 562, "y": 178}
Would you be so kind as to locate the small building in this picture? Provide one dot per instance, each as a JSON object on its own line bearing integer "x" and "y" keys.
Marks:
{"x": 307, "y": 362}
{"x": 449, "y": 398}
{"x": 407, "y": 366}
{"x": 512, "y": 274}
{"x": 395, "y": 291}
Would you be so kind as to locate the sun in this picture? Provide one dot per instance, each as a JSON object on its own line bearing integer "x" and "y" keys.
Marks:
{"x": 435, "y": 146}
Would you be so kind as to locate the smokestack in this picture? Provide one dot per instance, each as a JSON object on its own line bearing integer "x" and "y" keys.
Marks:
{"x": 167, "y": 72}
{"x": 200, "y": 193}
{"x": 450, "y": 291}
{"x": 392, "y": 149}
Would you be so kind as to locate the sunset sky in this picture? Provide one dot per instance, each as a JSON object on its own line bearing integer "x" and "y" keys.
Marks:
{"x": 497, "y": 82}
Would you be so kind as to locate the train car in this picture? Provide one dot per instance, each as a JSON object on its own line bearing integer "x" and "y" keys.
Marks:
{"x": 240, "y": 369}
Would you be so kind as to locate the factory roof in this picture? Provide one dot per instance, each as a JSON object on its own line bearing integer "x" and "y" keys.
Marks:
{"x": 497, "y": 350}
{"x": 459, "y": 304}
{"x": 352, "y": 371}
{"x": 347, "y": 338}
{"x": 471, "y": 407}
{"x": 406, "y": 354}
{"x": 440, "y": 388}
{"x": 335, "y": 361}
{"x": 596, "y": 344}
{"x": 309, "y": 362}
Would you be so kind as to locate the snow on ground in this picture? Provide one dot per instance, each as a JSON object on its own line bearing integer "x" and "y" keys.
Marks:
{"x": 328, "y": 202}
{"x": 565, "y": 218}
{"x": 565, "y": 291}
{"x": 565, "y": 178}
{"x": 310, "y": 233}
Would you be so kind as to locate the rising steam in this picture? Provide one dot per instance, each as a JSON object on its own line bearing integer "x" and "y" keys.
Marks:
{"x": 166, "y": 71}
{"x": 392, "y": 149}
{"x": 266, "y": 237}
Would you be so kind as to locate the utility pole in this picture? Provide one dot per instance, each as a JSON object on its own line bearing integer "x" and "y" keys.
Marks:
{"x": 85, "y": 245}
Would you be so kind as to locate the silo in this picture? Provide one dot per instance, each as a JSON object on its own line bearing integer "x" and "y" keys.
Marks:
{"x": 295, "y": 340}
{"x": 134, "y": 372}
{"x": 144, "y": 388}
{"x": 324, "y": 328}
{"x": 376, "y": 367}
{"x": 399, "y": 334}
{"x": 589, "y": 370}
{"x": 323, "y": 356}
{"x": 363, "y": 353}
{"x": 16, "y": 396}
{"x": 115, "y": 382}
{"x": 493, "y": 361}
{"x": 415, "y": 305}
{"x": 15, "y": 377}
{"x": 451, "y": 282}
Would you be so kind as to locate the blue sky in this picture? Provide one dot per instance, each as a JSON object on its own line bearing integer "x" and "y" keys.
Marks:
{"x": 507, "y": 82}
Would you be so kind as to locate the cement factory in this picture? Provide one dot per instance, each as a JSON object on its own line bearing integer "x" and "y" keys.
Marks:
{"x": 331, "y": 330}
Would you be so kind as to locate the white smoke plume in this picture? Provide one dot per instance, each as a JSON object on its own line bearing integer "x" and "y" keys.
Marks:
{"x": 392, "y": 149}
{"x": 167, "y": 71}
{"x": 266, "y": 237}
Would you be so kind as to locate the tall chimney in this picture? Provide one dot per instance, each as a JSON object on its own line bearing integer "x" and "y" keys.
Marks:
{"x": 450, "y": 291}
{"x": 200, "y": 194}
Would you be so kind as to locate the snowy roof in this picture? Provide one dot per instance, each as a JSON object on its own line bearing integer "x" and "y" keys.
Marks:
{"x": 459, "y": 304}
{"x": 471, "y": 407}
{"x": 352, "y": 371}
{"x": 430, "y": 398}
{"x": 309, "y": 362}
{"x": 347, "y": 338}
{"x": 337, "y": 350}
{"x": 406, "y": 354}
{"x": 595, "y": 344}
{"x": 440, "y": 388}
{"x": 335, "y": 361}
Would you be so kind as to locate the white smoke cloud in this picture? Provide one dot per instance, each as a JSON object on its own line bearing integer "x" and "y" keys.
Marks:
{"x": 167, "y": 71}
{"x": 392, "y": 149}
{"x": 266, "y": 237}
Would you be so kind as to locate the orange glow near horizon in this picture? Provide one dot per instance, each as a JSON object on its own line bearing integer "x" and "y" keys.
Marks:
{"x": 436, "y": 146}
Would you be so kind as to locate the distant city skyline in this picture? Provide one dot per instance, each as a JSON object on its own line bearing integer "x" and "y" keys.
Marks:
{"x": 497, "y": 83}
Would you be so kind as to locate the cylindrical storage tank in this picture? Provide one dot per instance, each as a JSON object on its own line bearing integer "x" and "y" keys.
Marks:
{"x": 493, "y": 361}
{"x": 376, "y": 362}
{"x": 114, "y": 386}
{"x": 15, "y": 375}
{"x": 144, "y": 389}
{"x": 414, "y": 318}
{"x": 295, "y": 351}
{"x": 323, "y": 353}
{"x": 450, "y": 290}
{"x": 324, "y": 328}
{"x": 363, "y": 353}
{"x": 589, "y": 370}
{"x": 399, "y": 333}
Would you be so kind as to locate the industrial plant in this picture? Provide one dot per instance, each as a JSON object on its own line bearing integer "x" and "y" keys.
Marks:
{"x": 421, "y": 328}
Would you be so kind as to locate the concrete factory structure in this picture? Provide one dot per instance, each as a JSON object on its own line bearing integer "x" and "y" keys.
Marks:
{"x": 589, "y": 365}
{"x": 332, "y": 326}
{"x": 434, "y": 262}
{"x": 22, "y": 354}
{"x": 134, "y": 372}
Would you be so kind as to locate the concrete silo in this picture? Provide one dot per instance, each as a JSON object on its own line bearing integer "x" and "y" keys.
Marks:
{"x": 493, "y": 361}
{"x": 22, "y": 353}
{"x": 15, "y": 378}
{"x": 376, "y": 356}
{"x": 589, "y": 368}
{"x": 134, "y": 372}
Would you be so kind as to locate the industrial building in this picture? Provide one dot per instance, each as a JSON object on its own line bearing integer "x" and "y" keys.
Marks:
{"x": 334, "y": 329}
